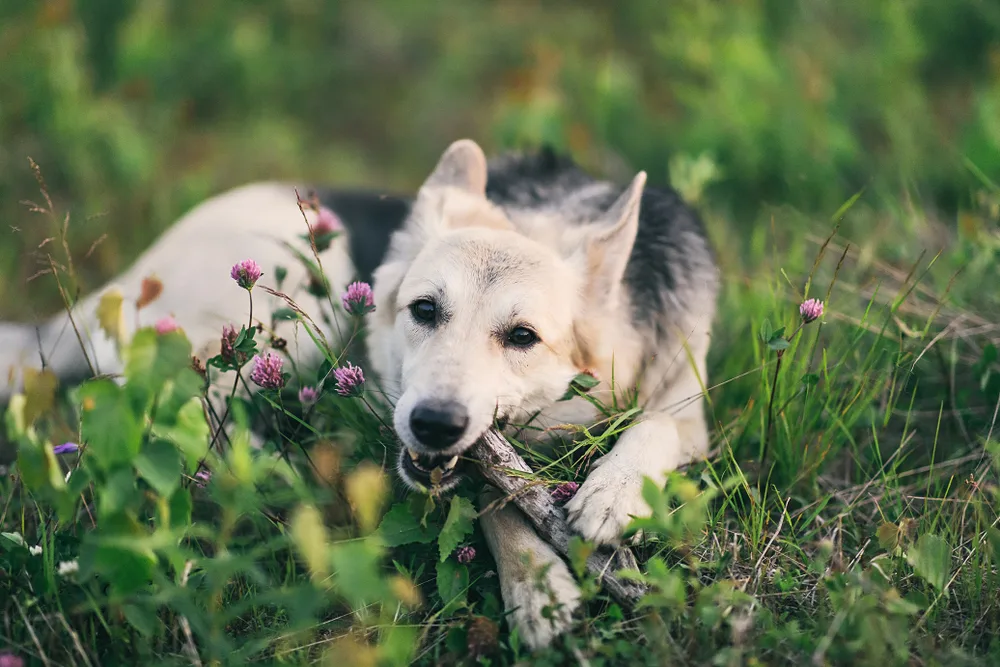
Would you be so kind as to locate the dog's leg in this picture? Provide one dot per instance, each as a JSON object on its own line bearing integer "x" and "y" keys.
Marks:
{"x": 669, "y": 433}
{"x": 533, "y": 578}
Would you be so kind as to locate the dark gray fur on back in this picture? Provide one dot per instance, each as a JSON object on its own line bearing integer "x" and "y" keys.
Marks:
{"x": 671, "y": 262}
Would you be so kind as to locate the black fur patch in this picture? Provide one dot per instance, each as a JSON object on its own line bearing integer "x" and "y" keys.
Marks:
{"x": 370, "y": 219}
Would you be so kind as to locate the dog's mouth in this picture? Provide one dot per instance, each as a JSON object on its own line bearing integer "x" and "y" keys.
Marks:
{"x": 428, "y": 471}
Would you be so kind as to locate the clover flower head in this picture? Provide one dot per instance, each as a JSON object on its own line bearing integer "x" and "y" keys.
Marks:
{"x": 358, "y": 298}
{"x": 308, "y": 396}
{"x": 564, "y": 491}
{"x": 246, "y": 273}
{"x": 10, "y": 660}
{"x": 266, "y": 371}
{"x": 350, "y": 380}
{"x": 35, "y": 550}
{"x": 326, "y": 222}
{"x": 202, "y": 478}
{"x": 165, "y": 325}
{"x": 810, "y": 310}
{"x": 68, "y": 567}
{"x": 465, "y": 554}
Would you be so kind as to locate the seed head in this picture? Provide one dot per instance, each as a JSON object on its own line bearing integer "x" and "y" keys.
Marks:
{"x": 358, "y": 299}
{"x": 350, "y": 380}
{"x": 266, "y": 371}
{"x": 246, "y": 273}
{"x": 810, "y": 310}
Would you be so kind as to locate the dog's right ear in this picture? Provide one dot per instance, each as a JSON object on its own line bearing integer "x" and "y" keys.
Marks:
{"x": 462, "y": 166}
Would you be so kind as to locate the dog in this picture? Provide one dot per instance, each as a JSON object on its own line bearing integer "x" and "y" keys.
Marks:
{"x": 496, "y": 285}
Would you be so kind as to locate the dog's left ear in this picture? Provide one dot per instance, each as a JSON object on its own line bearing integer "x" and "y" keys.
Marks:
{"x": 610, "y": 240}
{"x": 462, "y": 166}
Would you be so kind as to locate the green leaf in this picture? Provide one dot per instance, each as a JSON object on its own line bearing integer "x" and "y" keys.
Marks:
{"x": 810, "y": 379}
{"x": 931, "y": 560}
{"x": 11, "y": 540}
{"x": 189, "y": 433}
{"x": 160, "y": 465}
{"x": 452, "y": 585}
{"x": 765, "y": 331}
{"x": 358, "y": 572}
{"x": 580, "y": 384}
{"x": 993, "y": 535}
{"x": 108, "y": 424}
{"x": 399, "y": 527}
{"x": 143, "y": 620}
{"x": 778, "y": 344}
{"x": 457, "y": 526}
{"x": 284, "y": 314}
{"x": 117, "y": 493}
{"x": 180, "y": 508}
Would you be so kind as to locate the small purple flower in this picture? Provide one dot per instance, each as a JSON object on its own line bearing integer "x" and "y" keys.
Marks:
{"x": 810, "y": 310}
{"x": 10, "y": 660}
{"x": 327, "y": 222}
{"x": 202, "y": 478}
{"x": 246, "y": 273}
{"x": 350, "y": 380}
{"x": 267, "y": 371}
{"x": 165, "y": 325}
{"x": 358, "y": 299}
{"x": 465, "y": 554}
{"x": 564, "y": 491}
{"x": 66, "y": 448}
{"x": 308, "y": 396}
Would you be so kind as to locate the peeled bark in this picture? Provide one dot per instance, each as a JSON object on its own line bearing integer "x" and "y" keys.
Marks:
{"x": 496, "y": 459}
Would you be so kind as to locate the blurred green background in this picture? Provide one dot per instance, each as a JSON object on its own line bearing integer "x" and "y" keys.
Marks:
{"x": 136, "y": 110}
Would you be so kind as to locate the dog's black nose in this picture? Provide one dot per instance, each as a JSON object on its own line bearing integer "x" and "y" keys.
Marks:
{"x": 438, "y": 424}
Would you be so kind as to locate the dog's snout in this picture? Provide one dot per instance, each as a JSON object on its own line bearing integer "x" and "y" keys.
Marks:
{"x": 438, "y": 424}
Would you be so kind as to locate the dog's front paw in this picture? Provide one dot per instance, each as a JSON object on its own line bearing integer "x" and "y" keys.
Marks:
{"x": 541, "y": 605}
{"x": 607, "y": 501}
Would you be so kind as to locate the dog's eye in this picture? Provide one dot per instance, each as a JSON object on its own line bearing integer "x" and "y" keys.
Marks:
{"x": 424, "y": 311}
{"x": 522, "y": 337}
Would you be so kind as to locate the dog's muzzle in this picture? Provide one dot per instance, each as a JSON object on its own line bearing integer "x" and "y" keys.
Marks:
{"x": 438, "y": 473}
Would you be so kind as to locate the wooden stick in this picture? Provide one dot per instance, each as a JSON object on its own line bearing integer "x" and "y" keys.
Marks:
{"x": 496, "y": 456}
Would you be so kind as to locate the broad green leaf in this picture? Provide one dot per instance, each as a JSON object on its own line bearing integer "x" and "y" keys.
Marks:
{"x": 189, "y": 433}
{"x": 452, "y": 585}
{"x": 457, "y": 526}
{"x": 358, "y": 572}
{"x": 399, "y": 527}
{"x": 931, "y": 560}
{"x": 118, "y": 493}
{"x": 160, "y": 465}
{"x": 180, "y": 508}
{"x": 108, "y": 425}
{"x": 143, "y": 620}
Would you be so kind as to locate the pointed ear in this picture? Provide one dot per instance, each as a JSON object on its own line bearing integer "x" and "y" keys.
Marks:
{"x": 610, "y": 240}
{"x": 462, "y": 166}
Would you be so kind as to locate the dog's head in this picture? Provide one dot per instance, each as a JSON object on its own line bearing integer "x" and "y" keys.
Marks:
{"x": 477, "y": 320}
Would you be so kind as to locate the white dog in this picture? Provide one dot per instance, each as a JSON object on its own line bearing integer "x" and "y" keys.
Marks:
{"x": 494, "y": 287}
